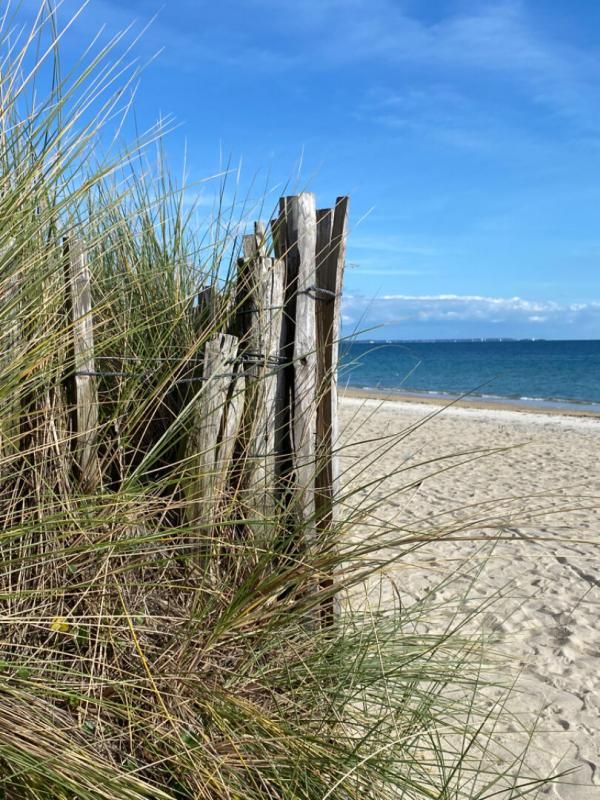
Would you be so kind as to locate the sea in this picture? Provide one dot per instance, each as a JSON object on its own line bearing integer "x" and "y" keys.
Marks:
{"x": 541, "y": 373}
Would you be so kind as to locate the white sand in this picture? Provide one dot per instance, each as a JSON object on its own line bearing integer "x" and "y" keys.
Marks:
{"x": 544, "y": 482}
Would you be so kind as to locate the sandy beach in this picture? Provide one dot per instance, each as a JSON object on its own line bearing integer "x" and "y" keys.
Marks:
{"x": 531, "y": 482}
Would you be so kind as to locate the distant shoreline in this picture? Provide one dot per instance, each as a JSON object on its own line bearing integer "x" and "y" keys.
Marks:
{"x": 492, "y": 404}
{"x": 471, "y": 340}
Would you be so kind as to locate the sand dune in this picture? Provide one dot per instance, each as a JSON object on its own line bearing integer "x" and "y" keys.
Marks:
{"x": 534, "y": 479}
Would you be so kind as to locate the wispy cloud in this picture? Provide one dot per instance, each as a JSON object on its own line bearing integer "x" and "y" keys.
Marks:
{"x": 436, "y": 112}
{"x": 498, "y": 38}
{"x": 388, "y": 273}
{"x": 390, "y": 256}
{"x": 500, "y": 41}
{"x": 391, "y": 243}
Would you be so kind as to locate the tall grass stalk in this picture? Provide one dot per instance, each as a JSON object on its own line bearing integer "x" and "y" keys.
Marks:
{"x": 144, "y": 655}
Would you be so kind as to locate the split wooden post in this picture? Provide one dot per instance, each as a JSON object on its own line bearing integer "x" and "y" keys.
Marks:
{"x": 233, "y": 415}
{"x": 285, "y": 375}
{"x": 330, "y": 275}
{"x": 205, "y": 311}
{"x": 274, "y": 298}
{"x": 212, "y": 430}
{"x": 302, "y": 239}
{"x": 323, "y": 488}
{"x": 81, "y": 383}
{"x": 260, "y": 293}
{"x": 331, "y": 251}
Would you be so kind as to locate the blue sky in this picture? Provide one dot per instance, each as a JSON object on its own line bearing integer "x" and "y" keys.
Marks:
{"x": 467, "y": 133}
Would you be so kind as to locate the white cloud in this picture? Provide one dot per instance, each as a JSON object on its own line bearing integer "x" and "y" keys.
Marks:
{"x": 498, "y": 37}
{"x": 406, "y": 310}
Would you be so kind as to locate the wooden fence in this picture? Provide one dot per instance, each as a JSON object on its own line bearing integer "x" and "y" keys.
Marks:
{"x": 262, "y": 416}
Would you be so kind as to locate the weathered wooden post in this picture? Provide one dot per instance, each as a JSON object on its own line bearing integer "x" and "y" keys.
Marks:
{"x": 301, "y": 223}
{"x": 331, "y": 251}
{"x": 213, "y": 426}
{"x": 330, "y": 274}
{"x": 273, "y": 299}
{"x": 9, "y": 345}
{"x": 80, "y": 382}
{"x": 258, "y": 325}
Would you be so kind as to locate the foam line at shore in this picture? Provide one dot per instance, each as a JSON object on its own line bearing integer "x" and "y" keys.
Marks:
{"x": 473, "y": 408}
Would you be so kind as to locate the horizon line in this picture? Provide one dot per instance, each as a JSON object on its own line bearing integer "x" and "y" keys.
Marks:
{"x": 466, "y": 339}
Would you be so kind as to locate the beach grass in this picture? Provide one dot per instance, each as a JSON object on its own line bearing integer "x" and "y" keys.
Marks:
{"x": 144, "y": 656}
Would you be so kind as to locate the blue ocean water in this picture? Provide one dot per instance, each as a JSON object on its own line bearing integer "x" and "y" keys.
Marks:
{"x": 553, "y": 373}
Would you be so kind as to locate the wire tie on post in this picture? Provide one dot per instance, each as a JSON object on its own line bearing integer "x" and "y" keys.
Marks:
{"x": 318, "y": 293}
